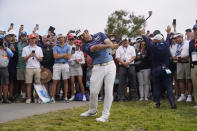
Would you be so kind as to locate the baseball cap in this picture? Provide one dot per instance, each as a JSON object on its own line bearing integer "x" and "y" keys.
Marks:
{"x": 31, "y": 36}
{"x": 70, "y": 36}
{"x": 195, "y": 27}
{"x": 177, "y": 35}
{"x": 11, "y": 32}
{"x": 157, "y": 37}
{"x": 79, "y": 32}
{"x": 139, "y": 39}
{"x": 188, "y": 30}
{"x": 124, "y": 37}
{"x": 156, "y": 32}
{"x": 23, "y": 33}
{"x": 59, "y": 35}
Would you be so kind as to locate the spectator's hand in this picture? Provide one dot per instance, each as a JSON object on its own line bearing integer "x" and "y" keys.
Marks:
{"x": 143, "y": 31}
{"x": 168, "y": 30}
{"x": 78, "y": 60}
{"x": 12, "y": 48}
{"x": 41, "y": 67}
{"x": 115, "y": 46}
{"x": 175, "y": 58}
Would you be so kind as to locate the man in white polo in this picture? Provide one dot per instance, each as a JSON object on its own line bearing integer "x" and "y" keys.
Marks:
{"x": 32, "y": 55}
{"x": 183, "y": 67}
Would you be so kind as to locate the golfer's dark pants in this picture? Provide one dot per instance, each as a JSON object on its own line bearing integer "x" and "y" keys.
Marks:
{"x": 124, "y": 75}
{"x": 161, "y": 80}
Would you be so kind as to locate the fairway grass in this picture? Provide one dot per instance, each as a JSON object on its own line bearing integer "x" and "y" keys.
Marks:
{"x": 125, "y": 116}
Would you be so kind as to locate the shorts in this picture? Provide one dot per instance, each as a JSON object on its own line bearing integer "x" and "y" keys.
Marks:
{"x": 32, "y": 73}
{"x": 4, "y": 76}
{"x": 76, "y": 71}
{"x": 183, "y": 71}
{"x": 61, "y": 69}
{"x": 20, "y": 74}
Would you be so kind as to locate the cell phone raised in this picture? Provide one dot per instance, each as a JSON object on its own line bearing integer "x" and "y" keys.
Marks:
{"x": 33, "y": 51}
{"x": 174, "y": 22}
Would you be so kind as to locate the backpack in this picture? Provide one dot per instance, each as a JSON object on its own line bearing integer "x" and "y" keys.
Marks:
{"x": 3, "y": 59}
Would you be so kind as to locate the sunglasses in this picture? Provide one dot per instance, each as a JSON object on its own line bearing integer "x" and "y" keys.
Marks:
{"x": 71, "y": 39}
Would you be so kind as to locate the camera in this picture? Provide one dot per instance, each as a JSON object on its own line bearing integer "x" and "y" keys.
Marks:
{"x": 12, "y": 24}
{"x": 33, "y": 51}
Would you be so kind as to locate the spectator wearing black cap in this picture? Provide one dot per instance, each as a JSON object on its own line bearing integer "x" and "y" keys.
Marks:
{"x": 125, "y": 55}
{"x": 193, "y": 59}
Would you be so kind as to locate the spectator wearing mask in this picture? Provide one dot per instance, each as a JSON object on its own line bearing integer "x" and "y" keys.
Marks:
{"x": 5, "y": 54}
{"x": 193, "y": 59}
{"x": 76, "y": 60}
{"x": 183, "y": 67}
{"x": 161, "y": 75}
{"x": 125, "y": 55}
{"x": 61, "y": 54}
{"x": 21, "y": 65}
{"x": 143, "y": 65}
{"x": 32, "y": 55}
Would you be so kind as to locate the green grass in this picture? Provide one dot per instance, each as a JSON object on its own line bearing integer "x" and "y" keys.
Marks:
{"x": 125, "y": 116}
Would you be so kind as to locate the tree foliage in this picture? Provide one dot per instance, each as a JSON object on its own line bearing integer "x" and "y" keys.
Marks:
{"x": 124, "y": 23}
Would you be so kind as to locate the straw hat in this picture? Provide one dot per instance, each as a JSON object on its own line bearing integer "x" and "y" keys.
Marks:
{"x": 45, "y": 75}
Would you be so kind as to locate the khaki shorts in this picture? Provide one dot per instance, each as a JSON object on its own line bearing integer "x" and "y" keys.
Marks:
{"x": 32, "y": 73}
{"x": 183, "y": 71}
{"x": 61, "y": 69}
{"x": 20, "y": 75}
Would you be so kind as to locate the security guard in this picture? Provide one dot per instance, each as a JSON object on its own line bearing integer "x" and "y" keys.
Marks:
{"x": 193, "y": 59}
{"x": 161, "y": 74}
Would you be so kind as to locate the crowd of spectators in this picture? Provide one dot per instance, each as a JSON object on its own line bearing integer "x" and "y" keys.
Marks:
{"x": 58, "y": 62}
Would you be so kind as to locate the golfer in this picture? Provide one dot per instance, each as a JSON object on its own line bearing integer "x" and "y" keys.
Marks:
{"x": 104, "y": 70}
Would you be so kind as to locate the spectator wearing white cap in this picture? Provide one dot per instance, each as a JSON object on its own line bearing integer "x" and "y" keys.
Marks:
{"x": 125, "y": 55}
{"x": 183, "y": 67}
{"x": 5, "y": 54}
{"x": 61, "y": 53}
{"x": 11, "y": 43}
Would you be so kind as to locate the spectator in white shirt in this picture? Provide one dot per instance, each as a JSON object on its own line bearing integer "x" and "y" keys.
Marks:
{"x": 76, "y": 60}
{"x": 125, "y": 55}
{"x": 32, "y": 55}
{"x": 183, "y": 67}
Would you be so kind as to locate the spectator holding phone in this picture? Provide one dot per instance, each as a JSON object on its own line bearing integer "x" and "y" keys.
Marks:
{"x": 76, "y": 60}
{"x": 5, "y": 54}
{"x": 183, "y": 67}
{"x": 32, "y": 55}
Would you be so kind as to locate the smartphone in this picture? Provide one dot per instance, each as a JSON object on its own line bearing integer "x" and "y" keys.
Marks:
{"x": 73, "y": 48}
{"x": 72, "y": 31}
{"x": 196, "y": 21}
{"x": 174, "y": 22}
{"x": 33, "y": 51}
{"x": 12, "y": 24}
